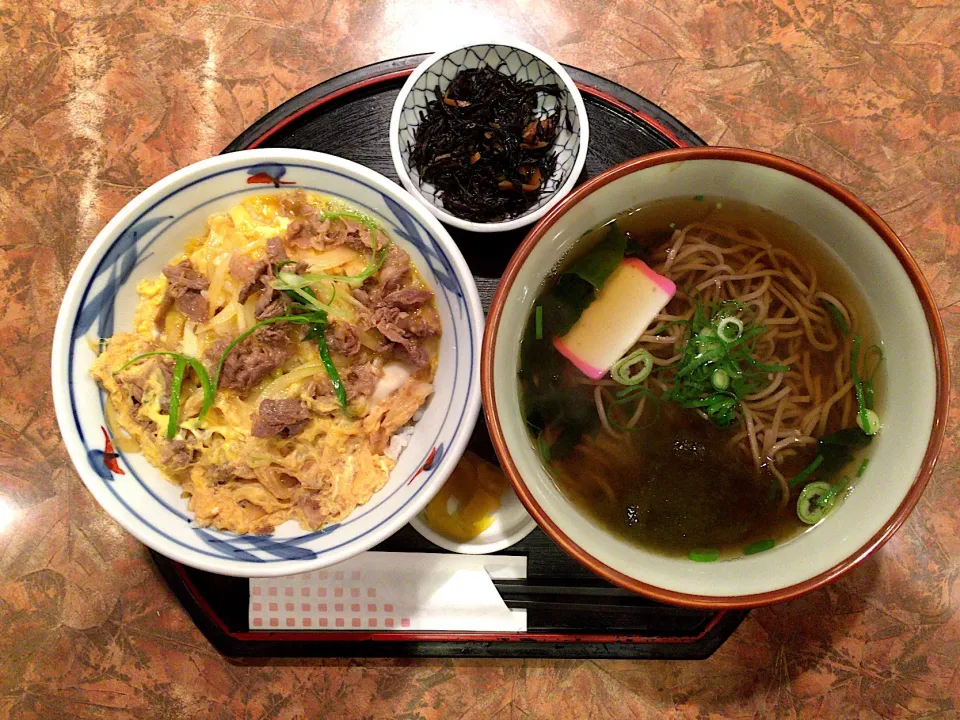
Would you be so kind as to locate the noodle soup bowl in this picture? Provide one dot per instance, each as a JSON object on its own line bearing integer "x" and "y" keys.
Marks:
{"x": 138, "y": 242}
{"x": 913, "y": 406}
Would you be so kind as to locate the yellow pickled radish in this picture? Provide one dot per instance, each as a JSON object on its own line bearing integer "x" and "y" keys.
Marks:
{"x": 467, "y": 504}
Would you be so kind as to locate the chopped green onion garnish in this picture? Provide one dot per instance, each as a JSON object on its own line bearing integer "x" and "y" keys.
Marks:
{"x": 672, "y": 225}
{"x": 316, "y": 333}
{"x": 806, "y": 472}
{"x": 867, "y": 419}
{"x": 538, "y": 322}
{"x": 176, "y": 383}
{"x": 758, "y": 547}
{"x": 809, "y": 507}
{"x": 836, "y": 316}
{"x": 704, "y": 555}
{"x": 720, "y": 379}
{"x": 872, "y": 351}
{"x": 863, "y": 467}
{"x": 716, "y": 368}
{"x": 698, "y": 197}
{"x": 829, "y": 499}
{"x": 620, "y": 371}
{"x": 729, "y": 329}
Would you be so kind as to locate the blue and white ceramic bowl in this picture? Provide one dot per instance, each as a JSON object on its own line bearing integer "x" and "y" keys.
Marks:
{"x": 523, "y": 62}
{"x": 138, "y": 242}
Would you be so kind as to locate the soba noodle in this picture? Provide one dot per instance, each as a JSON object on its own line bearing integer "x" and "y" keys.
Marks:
{"x": 760, "y": 340}
{"x": 780, "y": 290}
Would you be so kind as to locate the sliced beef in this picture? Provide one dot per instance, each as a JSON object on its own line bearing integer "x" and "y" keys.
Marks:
{"x": 366, "y": 297}
{"x": 193, "y": 305}
{"x": 276, "y": 334}
{"x": 220, "y": 474}
{"x": 307, "y": 232}
{"x": 275, "y": 250}
{"x": 388, "y": 321}
{"x": 256, "y": 277}
{"x": 177, "y": 455}
{"x": 183, "y": 275}
{"x": 251, "y": 273}
{"x": 395, "y": 270}
{"x": 300, "y": 269}
{"x": 385, "y": 319}
{"x": 342, "y": 338}
{"x": 184, "y": 291}
{"x": 407, "y": 299}
{"x": 134, "y": 386}
{"x": 361, "y": 381}
{"x": 250, "y": 286}
{"x": 280, "y": 418}
{"x": 356, "y": 235}
{"x": 254, "y": 358}
{"x": 387, "y": 286}
{"x": 312, "y": 511}
{"x": 271, "y": 303}
{"x": 242, "y": 267}
{"x": 295, "y": 204}
{"x": 358, "y": 381}
{"x": 412, "y": 354}
{"x": 165, "y": 366}
{"x": 297, "y": 234}
{"x": 419, "y": 326}
{"x": 395, "y": 310}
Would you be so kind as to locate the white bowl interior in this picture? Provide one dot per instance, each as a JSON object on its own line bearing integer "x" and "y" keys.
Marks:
{"x": 137, "y": 244}
{"x": 524, "y": 65}
{"x": 895, "y": 456}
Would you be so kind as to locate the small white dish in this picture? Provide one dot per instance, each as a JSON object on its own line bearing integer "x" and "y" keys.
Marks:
{"x": 511, "y": 524}
{"x": 138, "y": 242}
{"x": 525, "y": 63}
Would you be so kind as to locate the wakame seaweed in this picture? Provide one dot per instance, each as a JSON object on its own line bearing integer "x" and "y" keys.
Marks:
{"x": 598, "y": 264}
{"x": 484, "y": 146}
{"x": 839, "y": 448}
{"x": 547, "y": 401}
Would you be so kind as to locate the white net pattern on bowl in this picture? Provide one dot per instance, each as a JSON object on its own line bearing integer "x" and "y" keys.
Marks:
{"x": 508, "y": 60}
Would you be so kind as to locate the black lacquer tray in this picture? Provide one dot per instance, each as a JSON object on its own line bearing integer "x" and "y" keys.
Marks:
{"x": 570, "y": 612}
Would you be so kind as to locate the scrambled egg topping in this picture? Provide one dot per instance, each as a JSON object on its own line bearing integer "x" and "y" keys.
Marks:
{"x": 235, "y": 480}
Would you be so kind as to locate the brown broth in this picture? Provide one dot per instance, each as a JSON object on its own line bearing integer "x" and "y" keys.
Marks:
{"x": 678, "y": 485}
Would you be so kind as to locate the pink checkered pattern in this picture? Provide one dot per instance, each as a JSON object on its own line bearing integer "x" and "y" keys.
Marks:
{"x": 302, "y": 602}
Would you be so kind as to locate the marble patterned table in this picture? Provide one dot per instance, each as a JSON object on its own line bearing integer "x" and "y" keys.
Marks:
{"x": 100, "y": 99}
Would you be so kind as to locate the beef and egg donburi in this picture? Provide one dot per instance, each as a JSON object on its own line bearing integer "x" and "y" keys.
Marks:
{"x": 275, "y": 366}
{"x": 701, "y": 378}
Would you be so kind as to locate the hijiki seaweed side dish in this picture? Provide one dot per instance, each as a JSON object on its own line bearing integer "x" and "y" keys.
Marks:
{"x": 485, "y": 147}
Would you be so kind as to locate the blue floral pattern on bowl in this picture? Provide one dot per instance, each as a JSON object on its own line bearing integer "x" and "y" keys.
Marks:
{"x": 137, "y": 244}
